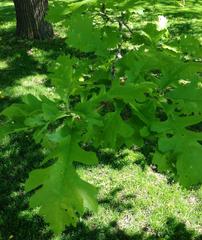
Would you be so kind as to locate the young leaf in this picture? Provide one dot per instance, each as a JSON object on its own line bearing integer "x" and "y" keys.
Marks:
{"x": 63, "y": 195}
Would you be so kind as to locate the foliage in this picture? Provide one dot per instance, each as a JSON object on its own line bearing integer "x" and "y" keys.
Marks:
{"x": 126, "y": 86}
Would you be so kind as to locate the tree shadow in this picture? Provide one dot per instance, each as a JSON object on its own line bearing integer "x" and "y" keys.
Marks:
{"x": 17, "y": 158}
{"x": 7, "y": 13}
{"x": 110, "y": 201}
{"x": 21, "y": 155}
{"x": 173, "y": 230}
{"x": 20, "y": 62}
{"x": 17, "y": 54}
{"x": 19, "y": 58}
{"x": 17, "y": 221}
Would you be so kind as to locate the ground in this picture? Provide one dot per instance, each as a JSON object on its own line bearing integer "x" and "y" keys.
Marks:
{"x": 135, "y": 202}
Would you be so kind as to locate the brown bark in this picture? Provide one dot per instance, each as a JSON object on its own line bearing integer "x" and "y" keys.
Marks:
{"x": 30, "y": 21}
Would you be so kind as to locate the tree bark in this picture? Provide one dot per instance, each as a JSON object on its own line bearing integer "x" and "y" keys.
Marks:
{"x": 30, "y": 22}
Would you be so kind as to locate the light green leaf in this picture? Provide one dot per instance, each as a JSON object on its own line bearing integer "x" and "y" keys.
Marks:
{"x": 61, "y": 74}
{"x": 63, "y": 194}
{"x": 82, "y": 34}
{"x": 114, "y": 128}
{"x": 189, "y": 165}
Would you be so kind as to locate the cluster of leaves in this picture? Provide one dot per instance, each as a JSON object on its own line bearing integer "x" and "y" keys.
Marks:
{"x": 126, "y": 86}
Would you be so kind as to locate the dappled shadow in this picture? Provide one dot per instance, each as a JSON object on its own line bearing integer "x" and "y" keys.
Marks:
{"x": 21, "y": 155}
{"x": 20, "y": 57}
{"x": 173, "y": 230}
{"x": 7, "y": 13}
{"x": 17, "y": 158}
{"x": 182, "y": 20}
{"x": 184, "y": 14}
{"x": 16, "y": 161}
{"x": 110, "y": 201}
{"x": 120, "y": 159}
{"x": 17, "y": 54}
{"x": 20, "y": 60}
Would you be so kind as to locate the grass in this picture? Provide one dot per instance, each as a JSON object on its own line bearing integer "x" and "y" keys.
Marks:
{"x": 139, "y": 202}
{"x": 134, "y": 203}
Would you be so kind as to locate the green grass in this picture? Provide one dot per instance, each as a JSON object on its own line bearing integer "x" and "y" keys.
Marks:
{"x": 134, "y": 203}
{"x": 139, "y": 202}
{"x": 23, "y": 64}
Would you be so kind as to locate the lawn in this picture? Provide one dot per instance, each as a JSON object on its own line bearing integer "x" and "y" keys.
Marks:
{"x": 135, "y": 201}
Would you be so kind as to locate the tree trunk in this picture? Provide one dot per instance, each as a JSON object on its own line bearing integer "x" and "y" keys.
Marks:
{"x": 30, "y": 21}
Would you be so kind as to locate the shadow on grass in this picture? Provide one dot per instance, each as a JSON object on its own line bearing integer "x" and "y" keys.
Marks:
{"x": 7, "y": 13}
{"x": 173, "y": 230}
{"x": 21, "y": 156}
{"x": 17, "y": 158}
{"x": 110, "y": 201}
{"x": 19, "y": 58}
{"x": 20, "y": 62}
{"x": 17, "y": 55}
{"x": 18, "y": 222}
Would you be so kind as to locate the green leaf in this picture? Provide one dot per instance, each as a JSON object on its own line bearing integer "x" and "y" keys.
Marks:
{"x": 82, "y": 34}
{"x": 188, "y": 96}
{"x": 35, "y": 120}
{"x": 15, "y": 111}
{"x": 63, "y": 194}
{"x": 61, "y": 74}
{"x": 161, "y": 160}
{"x": 32, "y": 101}
{"x": 114, "y": 128}
{"x": 50, "y": 110}
{"x": 175, "y": 138}
{"x": 189, "y": 165}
